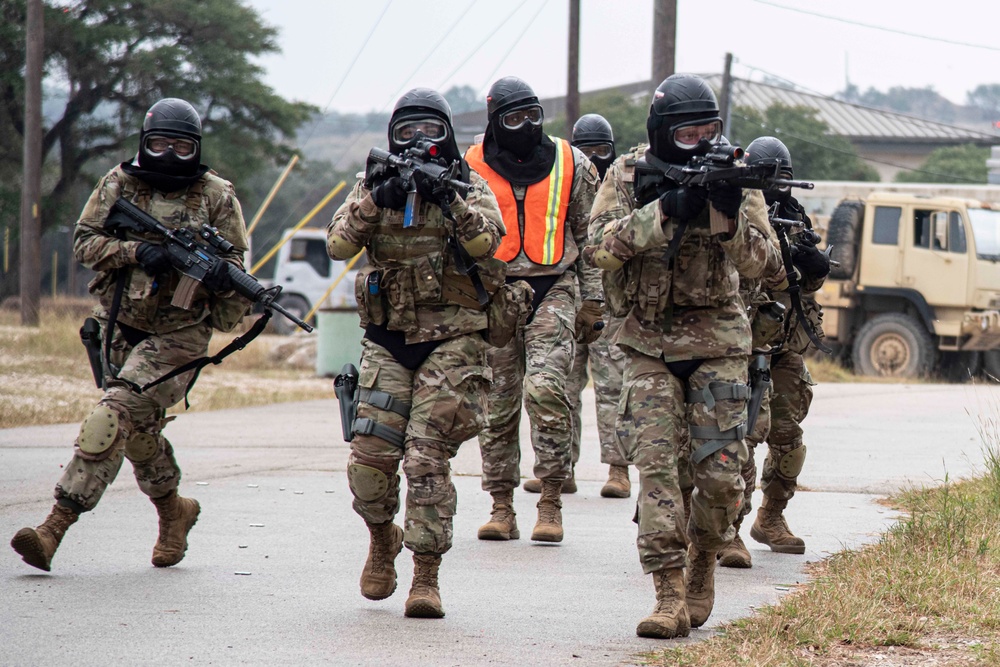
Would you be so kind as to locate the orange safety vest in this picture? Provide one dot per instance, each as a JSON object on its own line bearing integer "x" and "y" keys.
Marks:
{"x": 545, "y": 206}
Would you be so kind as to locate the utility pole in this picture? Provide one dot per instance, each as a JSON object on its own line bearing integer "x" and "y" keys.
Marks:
{"x": 31, "y": 221}
{"x": 725, "y": 96}
{"x": 664, "y": 39}
{"x": 573, "y": 69}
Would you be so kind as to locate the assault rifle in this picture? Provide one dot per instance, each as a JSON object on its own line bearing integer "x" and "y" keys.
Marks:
{"x": 782, "y": 227}
{"x": 424, "y": 157}
{"x": 195, "y": 254}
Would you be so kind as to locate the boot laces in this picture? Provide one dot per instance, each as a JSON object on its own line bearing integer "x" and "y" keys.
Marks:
{"x": 667, "y": 597}
{"x": 426, "y": 576}
{"x": 380, "y": 549}
{"x": 699, "y": 571}
{"x": 502, "y": 513}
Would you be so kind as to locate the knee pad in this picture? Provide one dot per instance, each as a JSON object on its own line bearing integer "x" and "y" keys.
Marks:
{"x": 790, "y": 464}
{"x": 370, "y": 478}
{"x": 100, "y": 433}
{"x": 141, "y": 447}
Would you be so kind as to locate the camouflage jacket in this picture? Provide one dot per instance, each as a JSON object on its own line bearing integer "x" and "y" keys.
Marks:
{"x": 690, "y": 308}
{"x": 146, "y": 299}
{"x": 577, "y": 216}
{"x": 417, "y": 289}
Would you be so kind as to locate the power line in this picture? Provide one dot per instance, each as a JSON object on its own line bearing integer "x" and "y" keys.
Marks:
{"x": 483, "y": 43}
{"x": 513, "y": 45}
{"x": 879, "y": 27}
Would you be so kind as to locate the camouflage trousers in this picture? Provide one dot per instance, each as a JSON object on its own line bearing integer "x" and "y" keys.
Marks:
{"x": 607, "y": 363}
{"x": 533, "y": 367}
{"x": 779, "y": 424}
{"x": 447, "y": 398}
{"x": 653, "y": 430}
{"x": 140, "y": 416}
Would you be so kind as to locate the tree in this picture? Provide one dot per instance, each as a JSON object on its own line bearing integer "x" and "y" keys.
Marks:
{"x": 923, "y": 102}
{"x": 627, "y": 117}
{"x": 986, "y": 98}
{"x": 115, "y": 58}
{"x": 953, "y": 164}
{"x": 462, "y": 99}
{"x": 817, "y": 154}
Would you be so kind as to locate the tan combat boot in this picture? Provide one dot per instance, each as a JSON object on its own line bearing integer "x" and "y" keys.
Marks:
{"x": 771, "y": 529}
{"x": 735, "y": 554}
{"x": 177, "y": 516}
{"x": 425, "y": 598}
{"x": 670, "y": 615}
{"x": 535, "y": 485}
{"x": 549, "y": 527}
{"x": 37, "y": 545}
{"x": 378, "y": 578}
{"x": 700, "y": 594}
{"x": 502, "y": 524}
{"x": 618, "y": 484}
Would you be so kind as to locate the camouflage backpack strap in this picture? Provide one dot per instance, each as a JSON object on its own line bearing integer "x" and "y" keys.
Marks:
{"x": 193, "y": 201}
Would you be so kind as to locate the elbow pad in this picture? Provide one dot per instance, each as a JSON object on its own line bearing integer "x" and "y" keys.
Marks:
{"x": 339, "y": 248}
{"x": 479, "y": 245}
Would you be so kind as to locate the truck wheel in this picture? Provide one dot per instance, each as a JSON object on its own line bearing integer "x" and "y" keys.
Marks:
{"x": 991, "y": 363}
{"x": 960, "y": 366}
{"x": 294, "y": 304}
{"x": 842, "y": 235}
{"x": 893, "y": 345}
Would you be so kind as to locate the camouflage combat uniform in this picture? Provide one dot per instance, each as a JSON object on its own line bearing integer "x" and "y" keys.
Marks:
{"x": 535, "y": 366}
{"x": 684, "y": 323}
{"x": 419, "y": 404}
{"x": 156, "y": 336}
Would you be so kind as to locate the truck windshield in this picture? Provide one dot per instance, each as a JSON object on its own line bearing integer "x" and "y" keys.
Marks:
{"x": 986, "y": 231}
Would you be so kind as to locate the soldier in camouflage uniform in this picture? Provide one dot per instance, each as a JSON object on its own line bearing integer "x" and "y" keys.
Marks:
{"x": 545, "y": 189}
{"x": 791, "y": 391}
{"x": 593, "y": 135}
{"x": 675, "y": 264}
{"x": 424, "y": 373}
{"x": 152, "y": 336}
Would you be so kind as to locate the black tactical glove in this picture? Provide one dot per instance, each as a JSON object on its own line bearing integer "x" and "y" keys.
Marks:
{"x": 810, "y": 261}
{"x": 726, "y": 198}
{"x": 217, "y": 279}
{"x": 154, "y": 259}
{"x": 683, "y": 203}
{"x": 432, "y": 190}
{"x": 390, "y": 194}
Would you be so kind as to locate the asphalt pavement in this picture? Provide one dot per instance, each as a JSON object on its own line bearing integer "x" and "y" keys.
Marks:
{"x": 271, "y": 575}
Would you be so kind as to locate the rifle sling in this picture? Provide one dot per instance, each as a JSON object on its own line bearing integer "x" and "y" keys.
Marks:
{"x": 238, "y": 343}
{"x": 464, "y": 262}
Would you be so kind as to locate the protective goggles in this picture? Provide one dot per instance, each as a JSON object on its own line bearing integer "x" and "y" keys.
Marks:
{"x": 688, "y": 136}
{"x": 518, "y": 118}
{"x": 407, "y": 130}
{"x": 603, "y": 151}
{"x": 158, "y": 146}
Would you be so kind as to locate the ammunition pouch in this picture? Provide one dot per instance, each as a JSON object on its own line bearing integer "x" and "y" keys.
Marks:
{"x": 368, "y": 293}
{"x": 507, "y": 312}
{"x": 767, "y": 325}
{"x": 460, "y": 290}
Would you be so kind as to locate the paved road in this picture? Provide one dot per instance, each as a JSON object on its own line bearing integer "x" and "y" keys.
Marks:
{"x": 576, "y": 603}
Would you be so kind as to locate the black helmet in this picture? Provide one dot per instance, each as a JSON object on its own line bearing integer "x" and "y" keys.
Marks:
{"x": 172, "y": 118}
{"x": 771, "y": 151}
{"x": 591, "y": 129}
{"x": 682, "y": 100}
{"x": 426, "y": 105}
{"x": 509, "y": 93}
{"x": 593, "y": 133}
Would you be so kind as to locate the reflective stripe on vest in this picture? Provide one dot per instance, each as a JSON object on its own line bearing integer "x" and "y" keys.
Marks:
{"x": 545, "y": 206}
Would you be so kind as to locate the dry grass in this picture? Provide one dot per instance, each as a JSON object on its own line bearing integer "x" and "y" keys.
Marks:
{"x": 45, "y": 377}
{"x": 928, "y": 593}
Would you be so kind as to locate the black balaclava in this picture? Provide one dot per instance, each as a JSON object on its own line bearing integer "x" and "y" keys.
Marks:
{"x": 593, "y": 130}
{"x": 170, "y": 117}
{"x": 523, "y": 156}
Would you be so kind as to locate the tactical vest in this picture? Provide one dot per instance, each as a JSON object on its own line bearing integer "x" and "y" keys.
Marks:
{"x": 413, "y": 268}
{"x": 545, "y": 206}
{"x": 700, "y": 275}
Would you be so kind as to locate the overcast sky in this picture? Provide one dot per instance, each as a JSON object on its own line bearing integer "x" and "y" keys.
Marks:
{"x": 454, "y": 42}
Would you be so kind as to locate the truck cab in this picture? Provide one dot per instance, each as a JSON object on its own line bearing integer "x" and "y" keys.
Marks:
{"x": 918, "y": 284}
{"x": 306, "y": 273}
